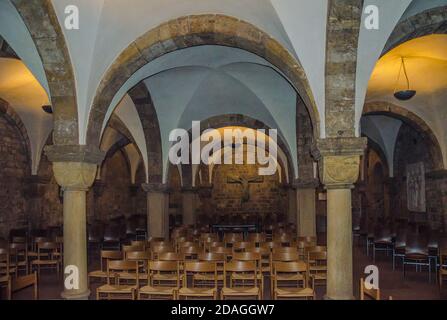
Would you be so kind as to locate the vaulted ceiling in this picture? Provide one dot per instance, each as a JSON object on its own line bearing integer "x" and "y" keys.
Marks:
{"x": 204, "y": 81}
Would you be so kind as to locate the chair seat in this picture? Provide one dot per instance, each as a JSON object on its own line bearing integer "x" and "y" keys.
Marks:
{"x": 294, "y": 292}
{"x": 164, "y": 277}
{"x": 131, "y": 276}
{"x": 158, "y": 290}
{"x": 197, "y": 292}
{"x": 318, "y": 268}
{"x": 416, "y": 256}
{"x": 98, "y": 274}
{"x": 45, "y": 262}
{"x": 208, "y": 277}
{"x": 111, "y": 288}
{"x": 289, "y": 277}
{"x": 318, "y": 276}
{"x": 240, "y": 291}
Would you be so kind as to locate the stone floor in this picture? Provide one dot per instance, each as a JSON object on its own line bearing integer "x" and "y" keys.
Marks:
{"x": 414, "y": 287}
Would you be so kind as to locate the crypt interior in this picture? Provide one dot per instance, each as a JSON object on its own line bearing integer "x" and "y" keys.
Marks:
{"x": 86, "y": 179}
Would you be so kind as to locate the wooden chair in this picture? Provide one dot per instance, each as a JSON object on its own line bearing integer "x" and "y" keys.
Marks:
{"x": 22, "y": 282}
{"x": 5, "y": 263}
{"x": 250, "y": 257}
{"x": 106, "y": 255}
{"x": 230, "y": 238}
{"x": 125, "y": 249}
{"x": 287, "y": 273}
{"x": 164, "y": 280}
{"x": 219, "y": 259}
{"x": 142, "y": 258}
{"x": 114, "y": 287}
{"x": 19, "y": 256}
{"x": 243, "y": 280}
{"x": 47, "y": 257}
{"x": 243, "y": 246}
{"x": 156, "y": 250}
{"x": 205, "y": 290}
{"x": 190, "y": 253}
{"x": 257, "y": 238}
{"x": 372, "y": 293}
{"x": 442, "y": 266}
{"x": 317, "y": 267}
{"x": 281, "y": 257}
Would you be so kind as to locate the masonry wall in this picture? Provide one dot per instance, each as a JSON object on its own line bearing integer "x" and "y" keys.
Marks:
{"x": 113, "y": 193}
{"x": 14, "y": 168}
{"x": 412, "y": 147}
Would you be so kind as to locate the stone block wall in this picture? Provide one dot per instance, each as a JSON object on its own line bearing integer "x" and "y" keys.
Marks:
{"x": 413, "y": 147}
{"x": 14, "y": 168}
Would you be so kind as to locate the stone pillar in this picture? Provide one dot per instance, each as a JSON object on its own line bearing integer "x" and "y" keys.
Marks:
{"x": 339, "y": 163}
{"x": 291, "y": 205}
{"x": 306, "y": 217}
{"x": 133, "y": 190}
{"x": 157, "y": 210}
{"x": 74, "y": 169}
{"x": 189, "y": 201}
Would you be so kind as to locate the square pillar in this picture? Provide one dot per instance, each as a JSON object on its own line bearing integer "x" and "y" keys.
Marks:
{"x": 157, "y": 210}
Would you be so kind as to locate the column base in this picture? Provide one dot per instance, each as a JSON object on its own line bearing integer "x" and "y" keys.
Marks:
{"x": 326, "y": 297}
{"x": 75, "y": 296}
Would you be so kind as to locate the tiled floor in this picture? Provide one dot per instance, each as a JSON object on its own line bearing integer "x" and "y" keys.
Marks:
{"x": 414, "y": 287}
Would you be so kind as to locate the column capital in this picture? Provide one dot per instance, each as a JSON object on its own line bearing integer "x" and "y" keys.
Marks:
{"x": 339, "y": 160}
{"x": 155, "y": 187}
{"x": 74, "y": 153}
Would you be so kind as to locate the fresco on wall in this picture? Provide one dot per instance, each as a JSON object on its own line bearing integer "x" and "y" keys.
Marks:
{"x": 416, "y": 187}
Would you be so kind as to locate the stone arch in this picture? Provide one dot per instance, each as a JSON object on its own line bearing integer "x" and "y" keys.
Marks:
{"x": 12, "y": 117}
{"x": 414, "y": 121}
{"x": 241, "y": 120}
{"x": 431, "y": 21}
{"x": 189, "y": 31}
{"x": 41, "y": 20}
{"x": 148, "y": 116}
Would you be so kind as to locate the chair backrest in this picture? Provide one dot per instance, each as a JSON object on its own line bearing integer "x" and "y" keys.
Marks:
{"x": 241, "y": 267}
{"x": 285, "y": 250}
{"x": 288, "y": 267}
{"x": 256, "y": 237}
{"x": 143, "y": 256}
{"x": 199, "y": 267}
{"x": 170, "y": 256}
{"x": 317, "y": 258}
{"x": 314, "y": 249}
{"x": 246, "y": 256}
{"x": 140, "y": 243}
{"x": 109, "y": 255}
{"x": 189, "y": 253}
{"x": 212, "y": 257}
{"x": 232, "y": 237}
{"x": 116, "y": 266}
{"x": 416, "y": 244}
{"x": 160, "y": 267}
{"x": 371, "y": 293}
{"x": 243, "y": 246}
{"x": 285, "y": 256}
{"x": 308, "y": 239}
{"x": 131, "y": 248}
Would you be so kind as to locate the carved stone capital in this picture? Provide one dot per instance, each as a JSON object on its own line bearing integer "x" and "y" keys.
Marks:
{"x": 74, "y": 153}
{"x": 155, "y": 187}
{"x": 74, "y": 176}
{"x": 339, "y": 160}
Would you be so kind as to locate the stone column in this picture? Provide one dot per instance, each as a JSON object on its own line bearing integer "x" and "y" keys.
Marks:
{"x": 306, "y": 217}
{"x": 339, "y": 163}
{"x": 291, "y": 203}
{"x": 133, "y": 190}
{"x": 157, "y": 210}
{"x": 189, "y": 201}
{"x": 74, "y": 169}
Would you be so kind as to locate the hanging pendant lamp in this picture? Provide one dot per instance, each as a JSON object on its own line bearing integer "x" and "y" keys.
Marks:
{"x": 404, "y": 95}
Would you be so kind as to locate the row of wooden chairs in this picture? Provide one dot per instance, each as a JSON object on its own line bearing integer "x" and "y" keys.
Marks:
{"x": 199, "y": 280}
